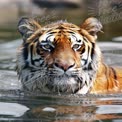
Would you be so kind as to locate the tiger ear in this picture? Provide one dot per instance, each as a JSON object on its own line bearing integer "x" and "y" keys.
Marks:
{"x": 27, "y": 27}
{"x": 92, "y": 26}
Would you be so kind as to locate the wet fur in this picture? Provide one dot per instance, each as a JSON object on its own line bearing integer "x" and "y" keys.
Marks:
{"x": 40, "y": 70}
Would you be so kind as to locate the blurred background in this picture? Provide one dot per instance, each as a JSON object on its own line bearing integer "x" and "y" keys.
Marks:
{"x": 109, "y": 12}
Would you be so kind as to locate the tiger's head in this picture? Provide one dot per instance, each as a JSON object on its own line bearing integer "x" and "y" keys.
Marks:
{"x": 60, "y": 57}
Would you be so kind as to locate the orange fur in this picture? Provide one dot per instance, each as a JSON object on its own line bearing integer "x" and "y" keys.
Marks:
{"x": 108, "y": 80}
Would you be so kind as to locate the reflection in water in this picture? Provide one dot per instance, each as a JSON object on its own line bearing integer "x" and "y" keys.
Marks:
{"x": 64, "y": 108}
{"x": 80, "y": 109}
{"x": 13, "y": 109}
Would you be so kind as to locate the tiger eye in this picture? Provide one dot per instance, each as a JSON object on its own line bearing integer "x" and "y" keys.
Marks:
{"x": 47, "y": 46}
{"x": 76, "y": 46}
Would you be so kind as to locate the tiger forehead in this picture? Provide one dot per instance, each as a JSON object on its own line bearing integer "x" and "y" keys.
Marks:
{"x": 55, "y": 32}
{"x": 58, "y": 34}
{"x": 62, "y": 30}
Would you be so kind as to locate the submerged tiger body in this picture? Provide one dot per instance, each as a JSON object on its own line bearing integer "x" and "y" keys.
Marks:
{"x": 64, "y": 58}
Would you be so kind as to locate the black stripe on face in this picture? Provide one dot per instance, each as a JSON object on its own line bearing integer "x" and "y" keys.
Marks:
{"x": 114, "y": 72}
{"x": 36, "y": 60}
{"x": 92, "y": 50}
{"x": 82, "y": 49}
{"x": 89, "y": 67}
{"x": 25, "y": 51}
{"x": 38, "y": 48}
{"x": 85, "y": 39}
{"x": 52, "y": 33}
{"x": 93, "y": 46}
{"x": 90, "y": 54}
{"x": 71, "y": 32}
{"x": 36, "y": 39}
{"x": 47, "y": 39}
{"x": 31, "y": 51}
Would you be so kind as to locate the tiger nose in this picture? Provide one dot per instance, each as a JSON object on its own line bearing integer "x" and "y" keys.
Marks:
{"x": 65, "y": 66}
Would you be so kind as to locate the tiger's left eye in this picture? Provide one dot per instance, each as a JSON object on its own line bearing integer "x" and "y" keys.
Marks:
{"x": 76, "y": 46}
{"x": 47, "y": 47}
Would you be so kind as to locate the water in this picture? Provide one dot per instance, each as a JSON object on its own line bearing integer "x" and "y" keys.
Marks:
{"x": 52, "y": 108}
{"x": 18, "y": 107}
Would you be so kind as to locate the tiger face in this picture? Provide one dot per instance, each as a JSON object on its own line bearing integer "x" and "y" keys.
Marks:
{"x": 59, "y": 57}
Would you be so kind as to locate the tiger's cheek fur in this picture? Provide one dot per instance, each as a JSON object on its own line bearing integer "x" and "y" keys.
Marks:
{"x": 78, "y": 60}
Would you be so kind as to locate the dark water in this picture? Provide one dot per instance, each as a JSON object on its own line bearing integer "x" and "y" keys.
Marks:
{"x": 16, "y": 106}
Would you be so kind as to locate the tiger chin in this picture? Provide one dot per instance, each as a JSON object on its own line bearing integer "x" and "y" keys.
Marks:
{"x": 64, "y": 58}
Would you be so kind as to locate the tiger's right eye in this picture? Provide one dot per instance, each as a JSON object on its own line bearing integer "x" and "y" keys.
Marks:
{"x": 76, "y": 46}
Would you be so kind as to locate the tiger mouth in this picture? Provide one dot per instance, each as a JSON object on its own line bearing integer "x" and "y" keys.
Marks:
{"x": 65, "y": 84}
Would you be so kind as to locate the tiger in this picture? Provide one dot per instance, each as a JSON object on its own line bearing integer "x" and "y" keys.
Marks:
{"x": 64, "y": 58}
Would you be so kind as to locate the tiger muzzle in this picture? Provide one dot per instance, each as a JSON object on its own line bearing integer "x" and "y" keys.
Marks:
{"x": 64, "y": 65}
